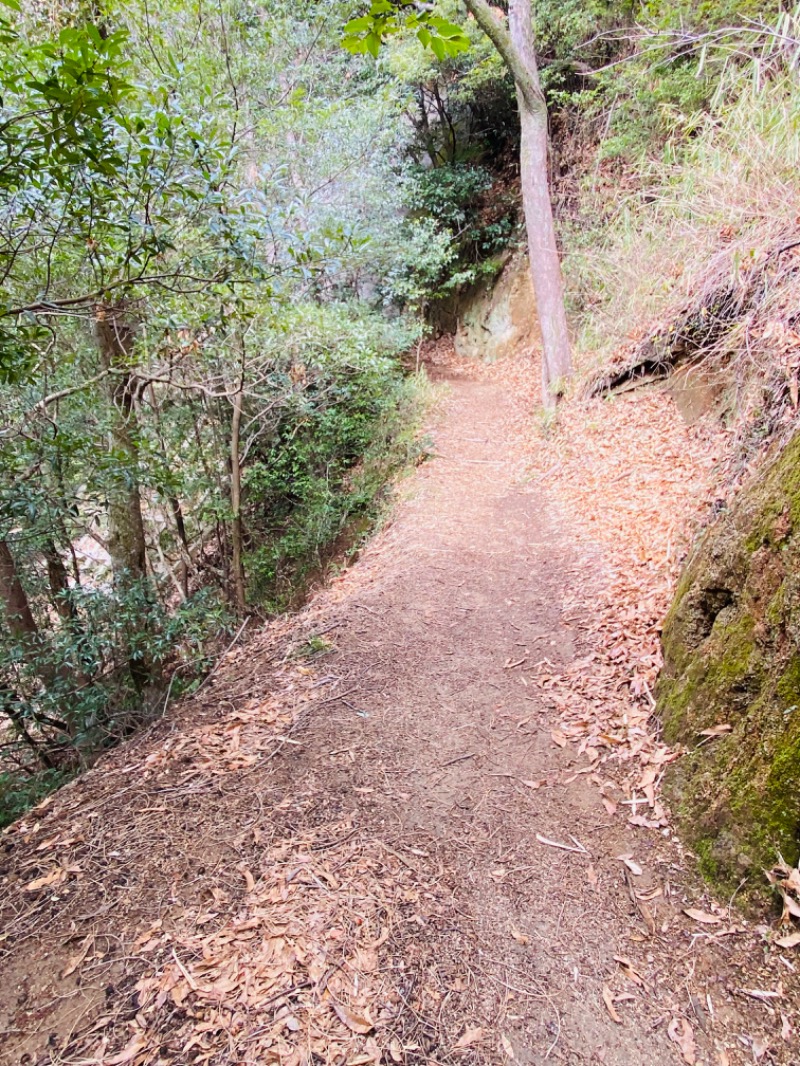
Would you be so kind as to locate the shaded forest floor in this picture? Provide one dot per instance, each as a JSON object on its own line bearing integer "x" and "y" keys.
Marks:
{"x": 419, "y": 821}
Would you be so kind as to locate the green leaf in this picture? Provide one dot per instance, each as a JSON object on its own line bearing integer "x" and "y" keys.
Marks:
{"x": 355, "y": 45}
{"x": 359, "y": 25}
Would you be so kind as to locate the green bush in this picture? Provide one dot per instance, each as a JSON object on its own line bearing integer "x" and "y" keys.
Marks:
{"x": 20, "y": 792}
{"x": 347, "y": 424}
{"x": 462, "y": 219}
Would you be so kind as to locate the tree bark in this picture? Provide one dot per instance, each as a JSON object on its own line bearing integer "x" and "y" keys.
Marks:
{"x": 237, "y": 546}
{"x": 174, "y": 503}
{"x": 126, "y": 540}
{"x": 60, "y": 590}
{"x": 186, "y": 555}
{"x": 18, "y": 615}
{"x": 516, "y": 48}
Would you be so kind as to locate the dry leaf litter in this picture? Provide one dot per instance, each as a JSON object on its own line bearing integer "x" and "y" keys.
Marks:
{"x": 293, "y": 953}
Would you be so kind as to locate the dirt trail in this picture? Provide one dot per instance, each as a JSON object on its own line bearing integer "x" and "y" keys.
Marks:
{"x": 396, "y": 783}
{"x": 464, "y": 600}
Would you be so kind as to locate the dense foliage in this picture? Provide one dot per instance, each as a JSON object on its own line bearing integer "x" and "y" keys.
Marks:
{"x": 199, "y": 388}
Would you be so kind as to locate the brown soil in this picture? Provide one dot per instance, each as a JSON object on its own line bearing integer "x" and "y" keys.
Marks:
{"x": 382, "y": 817}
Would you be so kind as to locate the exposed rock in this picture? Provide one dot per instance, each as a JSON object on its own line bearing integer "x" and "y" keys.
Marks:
{"x": 732, "y": 658}
{"x": 696, "y": 390}
{"x": 498, "y": 319}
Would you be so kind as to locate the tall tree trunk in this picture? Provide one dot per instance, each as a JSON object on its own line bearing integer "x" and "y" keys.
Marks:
{"x": 60, "y": 590}
{"x": 126, "y": 541}
{"x": 518, "y": 52}
{"x": 18, "y": 615}
{"x": 237, "y": 545}
{"x": 186, "y": 555}
{"x": 174, "y": 503}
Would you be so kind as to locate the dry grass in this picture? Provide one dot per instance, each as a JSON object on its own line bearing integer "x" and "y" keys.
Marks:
{"x": 711, "y": 244}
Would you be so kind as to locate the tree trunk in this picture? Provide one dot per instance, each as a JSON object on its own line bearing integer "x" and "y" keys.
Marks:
{"x": 60, "y": 590}
{"x": 518, "y": 53}
{"x": 186, "y": 555}
{"x": 174, "y": 504}
{"x": 126, "y": 542}
{"x": 17, "y": 610}
{"x": 237, "y": 546}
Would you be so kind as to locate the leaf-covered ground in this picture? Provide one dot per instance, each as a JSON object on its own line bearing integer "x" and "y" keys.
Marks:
{"x": 418, "y": 822}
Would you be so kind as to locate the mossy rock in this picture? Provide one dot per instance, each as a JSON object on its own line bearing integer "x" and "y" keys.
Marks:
{"x": 732, "y": 657}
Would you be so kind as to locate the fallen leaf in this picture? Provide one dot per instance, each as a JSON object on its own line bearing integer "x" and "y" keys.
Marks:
{"x": 179, "y": 992}
{"x": 645, "y": 823}
{"x": 509, "y": 1050}
{"x": 521, "y": 938}
{"x": 680, "y": 1032}
{"x": 790, "y": 906}
{"x": 760, "y": 1047}
{"x": 591, "y": 876}
{"x": 76, "y": 960}
{"x": 55, "y": 877}
{"x": 366, "y": 960}
{"x": 358, "y": 1023}
{"x": 701, "y": 916}
{"x": 558, "y": 738}
{"x": 468, "y": 1038}
{"x": 131, "y": 1050}
{"x": 647, "y": 916}
{"x": 786, "y": 1029}
{"x": 608, "y": 999}
{"x": 762, "y": 994}
{"x": 630, "y": 970}
{"x": 790, "y": 941}
{"x": 632, "y": 865}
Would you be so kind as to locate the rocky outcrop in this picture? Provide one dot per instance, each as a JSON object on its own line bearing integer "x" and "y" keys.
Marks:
{"x": 730, "y": 689}
{"x": 498, "y": 319}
